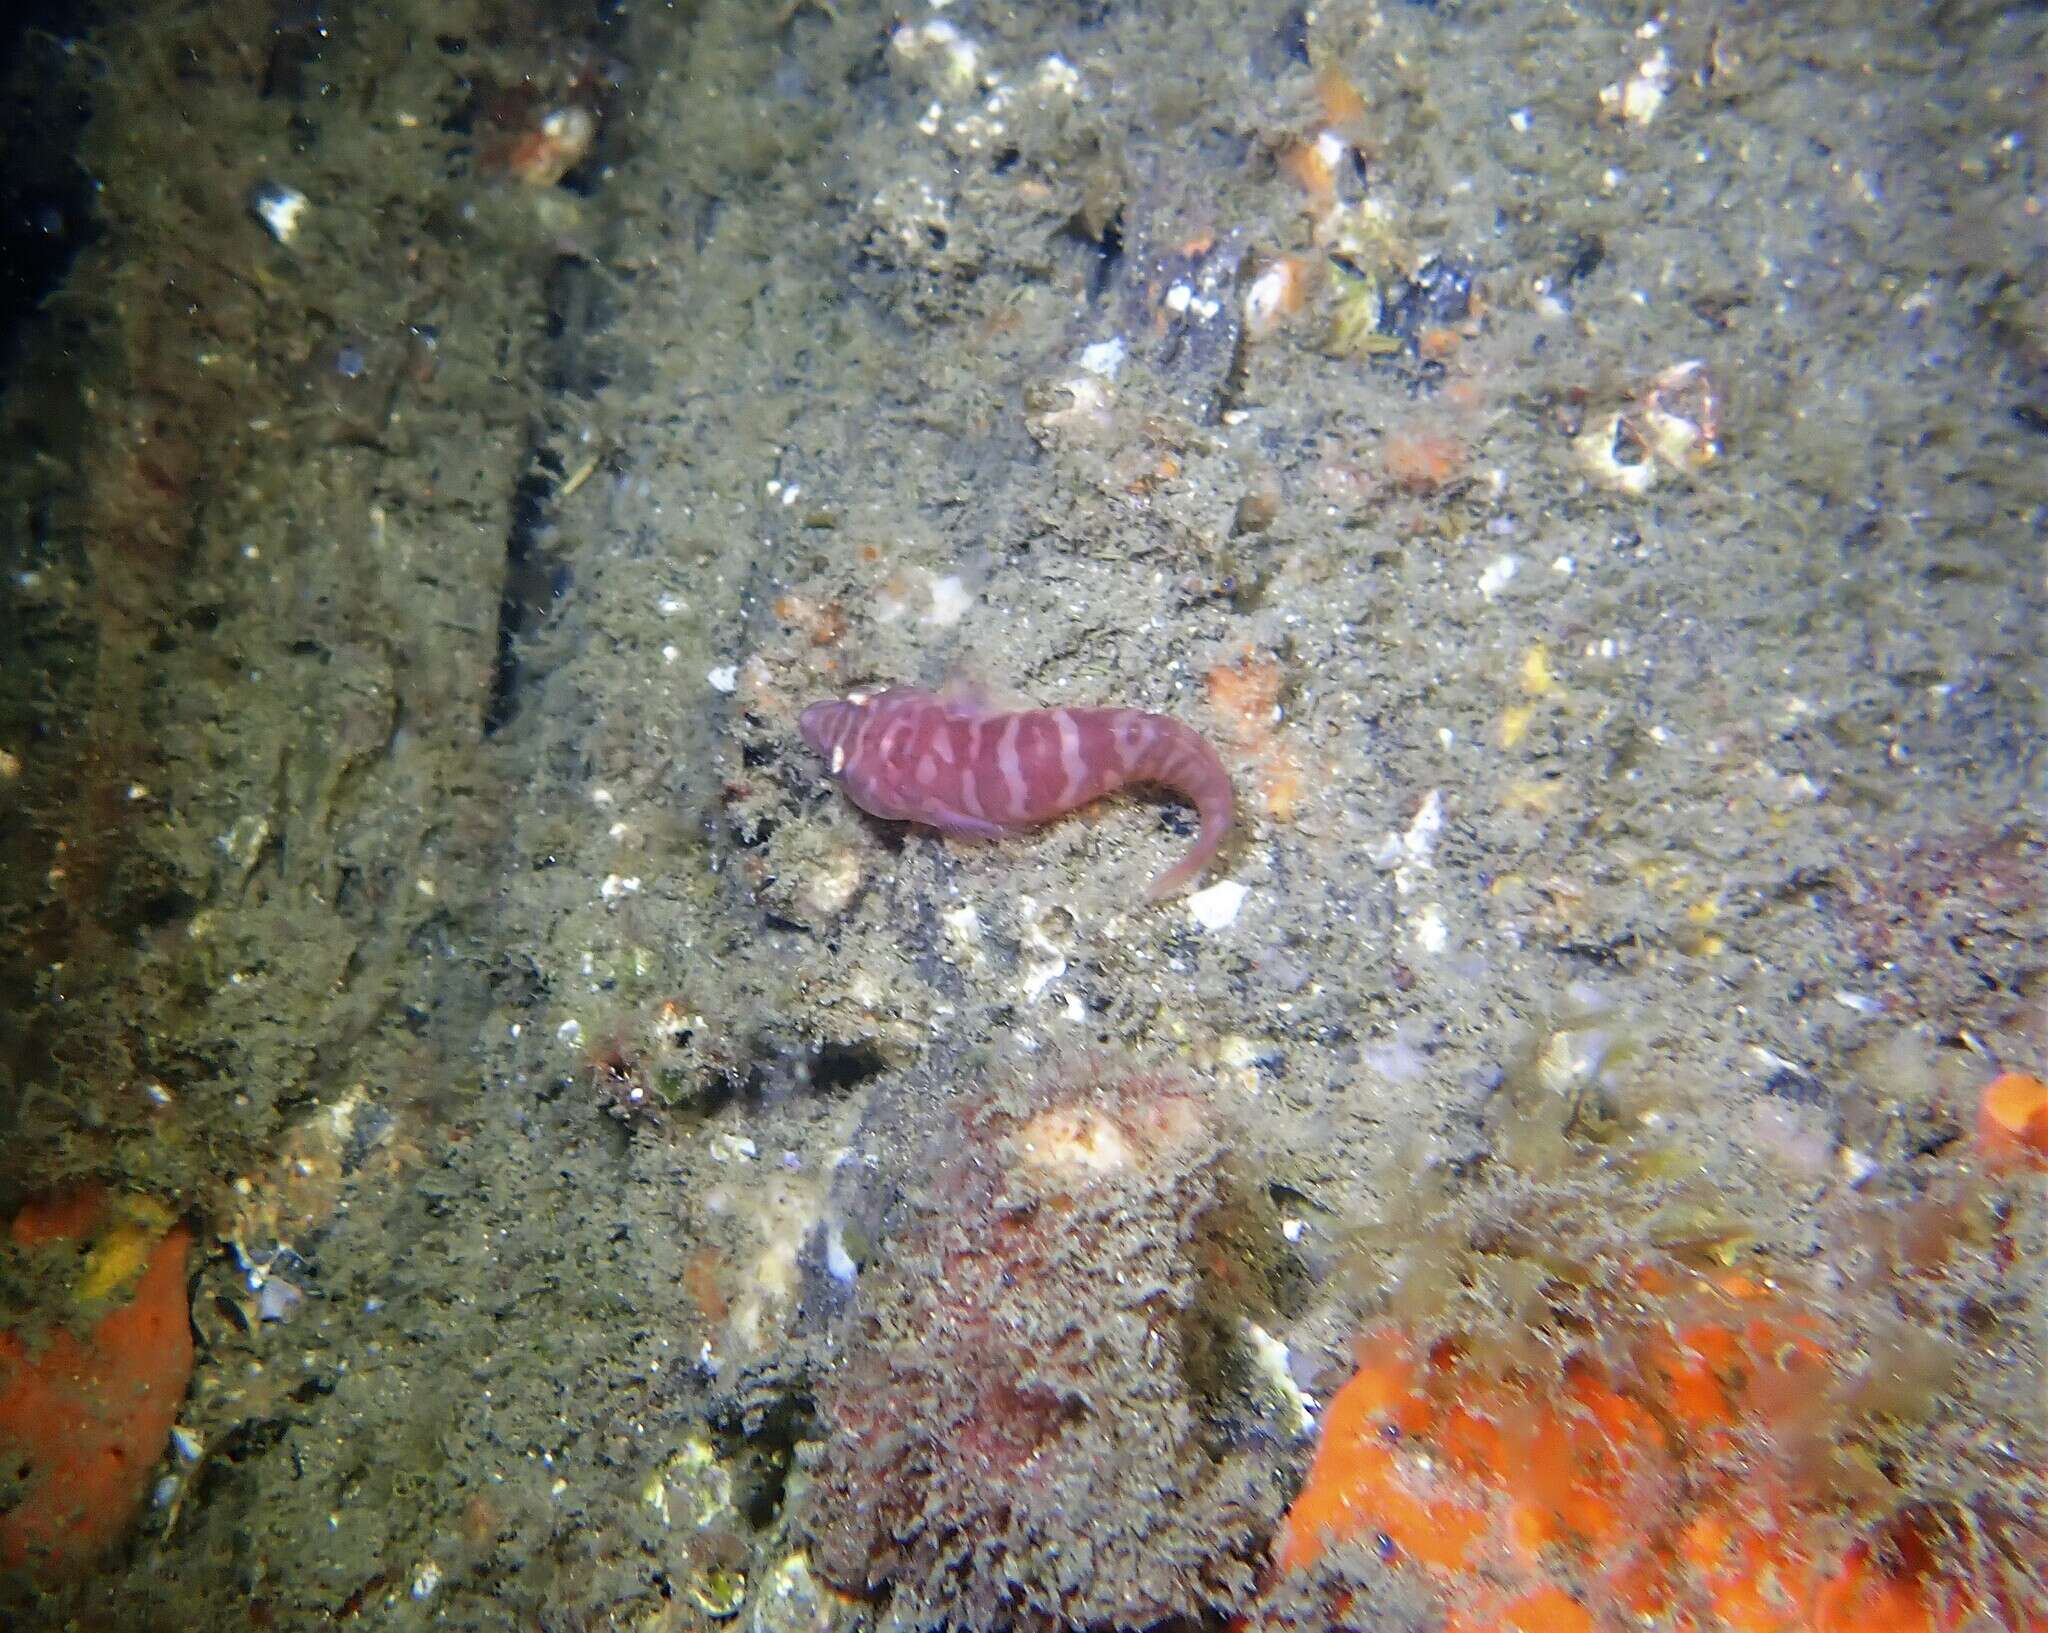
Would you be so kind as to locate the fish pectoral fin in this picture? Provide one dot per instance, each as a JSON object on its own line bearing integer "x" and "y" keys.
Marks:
{"x": 965, "y": 696}
{"x": 959, "y": 825}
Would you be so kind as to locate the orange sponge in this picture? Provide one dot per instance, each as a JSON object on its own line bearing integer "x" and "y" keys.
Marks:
{"x": 1480, "y": 1480}
{"x": 87, "y": 1403}
{"x": 1576, "y": 1498}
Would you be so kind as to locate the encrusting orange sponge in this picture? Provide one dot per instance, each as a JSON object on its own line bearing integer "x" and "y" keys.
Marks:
{"x": 83, "y": 1418}
{"x": 1581, "y": 1499}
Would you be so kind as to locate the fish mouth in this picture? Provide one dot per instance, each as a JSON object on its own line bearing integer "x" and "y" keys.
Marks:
{"x": 815, "y": 724}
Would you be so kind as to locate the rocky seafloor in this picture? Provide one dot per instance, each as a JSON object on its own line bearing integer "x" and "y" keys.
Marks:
{"x": 1581, "y": 467}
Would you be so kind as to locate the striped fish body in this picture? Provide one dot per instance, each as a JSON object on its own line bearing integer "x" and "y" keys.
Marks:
{"x": 912, "y": 756}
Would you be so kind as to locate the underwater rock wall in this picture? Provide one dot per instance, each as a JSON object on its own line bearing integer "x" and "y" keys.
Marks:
{"x": 1574, "y": 467}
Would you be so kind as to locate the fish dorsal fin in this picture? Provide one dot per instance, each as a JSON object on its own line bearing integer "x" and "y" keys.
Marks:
{"x": 968, "y": 697}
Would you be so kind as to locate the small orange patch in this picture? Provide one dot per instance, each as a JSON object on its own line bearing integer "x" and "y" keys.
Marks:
{"x": 703, "y": 1282}
{"x": 1437, "y": 345}
{"x": 66, "y": 1218}
{"x": 1544, "y": 1610}
{"x": 1341, "y": 102}
{"x": 546, "y": 151}
{"x": 1282, "y": 782}
{"x": 1247, "y": 694}
{"x": 1464, "y": 394}
{"x": 1277, "y": 292}
{"x": 1308, "y": 167}
{"x": 2012, "y": 1121}
{"x": 822, "y": 621}
{"x": 1422, "y": 459}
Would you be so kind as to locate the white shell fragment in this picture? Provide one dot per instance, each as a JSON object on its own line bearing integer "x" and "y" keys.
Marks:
{"x": 1431, "y": 933}
{"x": 1599, "y": 447}
{"x": 948, "y": 61}
{"x": 1044, "y": 962}
{"x": 1271, "y": 1367}
{"x": 1216, "y": 907}
{"x": 279, "y": 208}
{"x": 830, "y": 890}
{"x": 1639, "y": 97}
{"x": 1104, "y": 358}
{"x": 950, "y": 601}
{"x": 1057, "y": 75}
{"x": 1413, "y": 851}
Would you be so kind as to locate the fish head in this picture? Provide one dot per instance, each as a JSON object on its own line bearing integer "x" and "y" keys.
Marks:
{"x": 828, "y": 726}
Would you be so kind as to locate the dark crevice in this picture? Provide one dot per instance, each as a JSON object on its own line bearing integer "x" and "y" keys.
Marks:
{"x": 47, "y": 209}
{"x": 1109, "y": 250}
{"x": 535, "y": 578}
{"x": 298, "y": 36}
{"x": 837, "y": 1066}
{"x": 1107, "y": 243}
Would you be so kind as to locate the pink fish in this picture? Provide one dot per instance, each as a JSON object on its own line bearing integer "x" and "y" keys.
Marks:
{"x": 974, "y": 772}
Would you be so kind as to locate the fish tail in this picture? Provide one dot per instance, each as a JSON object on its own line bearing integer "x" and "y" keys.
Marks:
{"x": 1179, "y": 759}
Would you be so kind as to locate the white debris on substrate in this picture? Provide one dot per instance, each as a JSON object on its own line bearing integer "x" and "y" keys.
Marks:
{"x": 1675, "y": 426}
{"x": 1589, "y": 1036}
{"x": 1057, "y": 77}
{"x": 783, "y": 1210}
{"x": 937, "y": 600}
{"x": 1232, "y": 1060}
{"x": 948, "y": 64}
{"x": 828, "y": 890}
{"x": 1279, "y": 291}
{"x": 1103, "y": 358}
{"x": 1412, "y": 852}
{"x": 1082, "y": 404}
{"x": 1273, "y": 1376}
{"x": 693, "y": 1489}
{"x": 1044, "y": 962}
{"x": 962, "y": 925}
{"x": 615, "y": 886}
{"x": 1216, "y": 907}
{"x": 279, "y": 208}
{"x": 1498, "y": 574}
{"x": 950, "y": 601}
{"x": 1638, "y": 99}
{"x": 1600, "y": 449}
{"x": 947, "y": 61}
{"x": 792, "y": 1600}
{"x": 1411, "y": 857}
